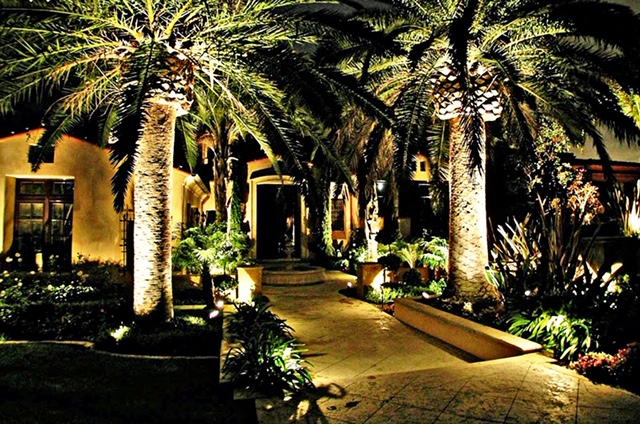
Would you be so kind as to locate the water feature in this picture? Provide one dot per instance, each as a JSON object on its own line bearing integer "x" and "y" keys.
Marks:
{"x": 291, "y": 273}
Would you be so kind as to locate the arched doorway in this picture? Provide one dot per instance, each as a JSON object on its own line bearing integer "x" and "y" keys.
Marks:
{"x": 278, "y": 221}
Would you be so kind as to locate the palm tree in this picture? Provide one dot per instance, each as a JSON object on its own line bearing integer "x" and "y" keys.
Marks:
{"x": 137, "y": 67}
{"x": 511, "y": 61}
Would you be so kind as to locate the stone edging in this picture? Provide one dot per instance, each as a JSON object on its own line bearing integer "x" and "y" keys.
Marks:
{"x": 479, "y": 340}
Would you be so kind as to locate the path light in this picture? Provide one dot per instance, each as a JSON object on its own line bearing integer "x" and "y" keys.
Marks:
{"x": 214, "y": 314}
{"x": 527, "y": 293}
{"x": 426, "y": 295}
{"x": 120, "y": 332}
{"x": 349, "y": 285}
{"x": 220, "y": 303}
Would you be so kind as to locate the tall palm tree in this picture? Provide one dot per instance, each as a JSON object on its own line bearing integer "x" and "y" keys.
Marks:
{"x": 511, "y": 61}
{"x": 137, "y": 66}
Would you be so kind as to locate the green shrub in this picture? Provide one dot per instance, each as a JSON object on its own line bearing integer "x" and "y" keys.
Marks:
{"x": 264, "y": 356}
{"x": 622, "y": 368}
{"x": 390, "y": 261}
{"x": 224, "y": 282}
{"x": 488, "y": 312}
{"x": 75, "y": 305}
{"x": 565, "y": 336}
{"x": 210, "y": 248}
{"x": 62, "y": 321}
{"x": 412, "y": 277}
{"x": 541, "y": 264}
{"x": 391, "y": 291}
{"x": 437, "y": 286}
{"x": 74, "y": 286}
{"x": 436, "y": 252}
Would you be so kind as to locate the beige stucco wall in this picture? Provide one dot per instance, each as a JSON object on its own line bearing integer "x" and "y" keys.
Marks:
{"x": 97, "y": 230}
{"x": 96, "y": 227}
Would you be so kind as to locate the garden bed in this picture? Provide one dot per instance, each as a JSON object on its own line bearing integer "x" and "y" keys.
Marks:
{"x": 479, "y": 340}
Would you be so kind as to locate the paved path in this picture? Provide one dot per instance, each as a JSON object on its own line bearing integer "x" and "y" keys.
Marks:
{"x": 370, "y": 368}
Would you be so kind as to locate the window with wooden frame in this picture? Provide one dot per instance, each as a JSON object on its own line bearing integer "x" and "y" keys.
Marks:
{"x": 43, "y": 219}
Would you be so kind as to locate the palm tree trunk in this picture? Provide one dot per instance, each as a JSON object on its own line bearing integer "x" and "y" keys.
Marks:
{"x": 153, "y": 296}
{"x": 220, "y": 187}
{"x": 468, "y": 250}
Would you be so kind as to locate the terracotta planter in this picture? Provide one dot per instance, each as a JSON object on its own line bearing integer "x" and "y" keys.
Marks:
{"x": 249, "y": 282}
{"x": 369, "y": 274}
{"x": 425, "y": 272}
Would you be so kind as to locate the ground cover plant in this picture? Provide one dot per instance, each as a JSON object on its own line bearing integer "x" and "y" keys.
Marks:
{"x": 92, "y": 302}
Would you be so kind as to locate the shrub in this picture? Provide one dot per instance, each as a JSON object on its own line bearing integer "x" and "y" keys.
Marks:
{"x": 622, "y": 369}
{"x": 356, "y": 251}
{"x": 264, "y": 356}
{"x": 436, "y": 252}
{"x": 62, "y": 321}
{"x": 75, "y": 286}
{"x": 566, "y": 336}
{"x": 209, "y": 248}
{"x": 627, "y": 209}
{"x": 391, "y": 291}
{"x": 547, "y": 254}
{"x": 72, "y": 305}
{"x": 223, "y": 283}
{"x": 541, "y": 264}
{"x": 410, "y": 253}
{"x": 437, "y": 286}
{"x": 390, "y": 261}
{"x": 412, "y": 277}
{"x": 597, "y": 366}
{"x": 488, "y": 312}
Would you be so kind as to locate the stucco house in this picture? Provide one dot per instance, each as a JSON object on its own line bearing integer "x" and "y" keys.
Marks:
{"x": 276, "y": 212}
{"x": 65, "y": 209}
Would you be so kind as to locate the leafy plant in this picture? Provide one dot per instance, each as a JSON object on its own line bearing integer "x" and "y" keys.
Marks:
{"x": 411, "y": 253}
{"x": 567, "y": 337}
{"x": 211, "y": 248}
{"x": 223, "y": 283}
{"x": 436, "y": 252}
{"x": 627, "y": 209}
{"x": 546, "y": 255}
{"x": 184, "y": 335}
{"x": 390, "y": 291}
{"x": 437, "y": 287}
{"x": 264, "y": 356}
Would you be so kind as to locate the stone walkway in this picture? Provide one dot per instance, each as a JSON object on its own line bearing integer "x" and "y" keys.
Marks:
{"x": 370, "y": 368}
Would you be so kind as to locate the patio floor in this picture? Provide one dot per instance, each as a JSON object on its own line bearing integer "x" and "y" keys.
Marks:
{"x": 370, "y": 368}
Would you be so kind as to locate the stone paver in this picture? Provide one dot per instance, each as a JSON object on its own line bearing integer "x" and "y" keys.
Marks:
{"x": 370, "y": 368}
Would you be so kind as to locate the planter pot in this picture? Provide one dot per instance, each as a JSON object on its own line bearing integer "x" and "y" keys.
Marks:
{"x": 479, "y": 340}
{"x": 249, "y": 282}
{"x": 185, "y": 281}
{"x": 369, "y": 274}
{"x": 424, "y": 271}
